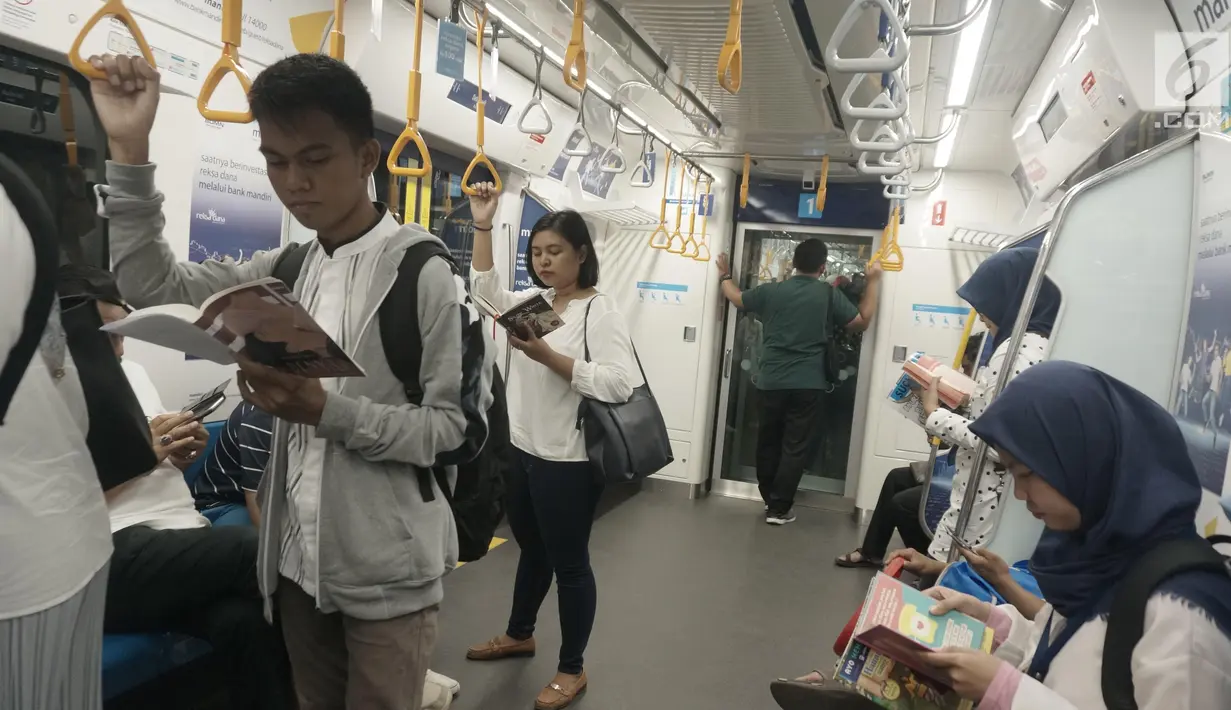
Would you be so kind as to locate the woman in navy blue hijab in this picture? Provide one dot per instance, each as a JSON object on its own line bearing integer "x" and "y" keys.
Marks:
{"x": 996, "y": 291}
{"x": 1107, "y": 471}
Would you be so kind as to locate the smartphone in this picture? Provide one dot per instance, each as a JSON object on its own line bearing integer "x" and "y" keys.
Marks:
{"x": 208, "y": 403}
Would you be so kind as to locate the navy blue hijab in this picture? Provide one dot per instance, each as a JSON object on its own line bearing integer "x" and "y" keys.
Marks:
{"x": 1121, "y": 460}
{"x": 997, "y": 288}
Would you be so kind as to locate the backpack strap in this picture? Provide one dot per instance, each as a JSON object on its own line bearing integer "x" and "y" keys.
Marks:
{"x": 399, "y": 315}
{"x": 36, "y": 215}
{"x": 289, "y": 263}
{"x": 1126, "y": 620}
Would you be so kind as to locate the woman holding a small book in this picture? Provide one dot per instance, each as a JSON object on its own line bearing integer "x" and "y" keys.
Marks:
{"x": 1107, "y": 471}
{"x": 552, "y": 490}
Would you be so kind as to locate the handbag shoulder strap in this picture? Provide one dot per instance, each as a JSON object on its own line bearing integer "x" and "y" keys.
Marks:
{"x": 585, "y": 337}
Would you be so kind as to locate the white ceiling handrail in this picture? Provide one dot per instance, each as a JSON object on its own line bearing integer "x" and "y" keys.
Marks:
{"x": 950, "y": 28}
{"x": 955, "y": 113}
{"x": 882, "y": 108}
{"x": 902, "y": 179}
{"x": 863, "y": 167}
{"x": 896, "y": 193}
{"x": 881, "y": 60}
{"x": 889, "y": 137}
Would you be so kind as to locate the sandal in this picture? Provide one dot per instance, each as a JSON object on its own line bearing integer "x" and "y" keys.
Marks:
{"x": 863, "y": 562}
{"x": 556, "y": 696}
{"x": 798, "y": 693}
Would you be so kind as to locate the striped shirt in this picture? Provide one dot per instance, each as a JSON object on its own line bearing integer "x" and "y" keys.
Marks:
{"x": 237, "y": 461}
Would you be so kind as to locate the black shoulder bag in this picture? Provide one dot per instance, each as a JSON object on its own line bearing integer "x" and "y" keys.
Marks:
{"x": 627, "y": 441}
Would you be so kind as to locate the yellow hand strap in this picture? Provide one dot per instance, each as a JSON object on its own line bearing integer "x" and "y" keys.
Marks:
{"x": 480, "y": 158}
{"x": 411, "y": 133}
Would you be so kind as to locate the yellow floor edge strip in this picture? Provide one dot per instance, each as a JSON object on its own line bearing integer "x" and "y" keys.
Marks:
{"x": 496, "y": 542}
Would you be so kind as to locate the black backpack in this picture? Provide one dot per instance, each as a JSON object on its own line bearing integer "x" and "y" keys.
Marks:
{"x": 486, "y": 455}
{"x": 1126, "y": 620}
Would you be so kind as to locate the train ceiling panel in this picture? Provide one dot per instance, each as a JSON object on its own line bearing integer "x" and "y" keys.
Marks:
{"x": 784, "y": 104}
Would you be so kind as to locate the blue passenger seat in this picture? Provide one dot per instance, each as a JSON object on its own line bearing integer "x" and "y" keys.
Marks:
{"x": 131, "y": 660}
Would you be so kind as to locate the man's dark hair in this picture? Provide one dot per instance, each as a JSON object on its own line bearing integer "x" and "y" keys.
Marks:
{"x": 78, "y": 281}
{"x": 810, "y": 256}
{"x": 290, "y": 87}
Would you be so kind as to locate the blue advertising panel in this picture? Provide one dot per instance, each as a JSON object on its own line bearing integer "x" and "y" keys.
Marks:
{"x": 531, "y": 212}
{"x": 467, "y": 94}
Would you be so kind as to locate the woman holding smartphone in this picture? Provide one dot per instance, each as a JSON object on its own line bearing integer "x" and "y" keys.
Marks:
{"x": 552, "y": 489}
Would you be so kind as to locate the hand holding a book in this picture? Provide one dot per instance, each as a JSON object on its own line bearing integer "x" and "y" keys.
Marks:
{"x": 968, "y": 671}
{"x": 295, "y": 399}
{"x": 917, "y": 563}
{"x": 533, "y": 346}
{"x": 948, "y": 600}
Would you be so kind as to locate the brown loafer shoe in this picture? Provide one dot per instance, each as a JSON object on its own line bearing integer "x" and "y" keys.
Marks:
{"x": 499, "y": 648}
{"x": 561, "y": 692}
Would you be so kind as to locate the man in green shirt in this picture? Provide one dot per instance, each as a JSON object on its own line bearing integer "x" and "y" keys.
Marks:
{"x": 799, "y": 316}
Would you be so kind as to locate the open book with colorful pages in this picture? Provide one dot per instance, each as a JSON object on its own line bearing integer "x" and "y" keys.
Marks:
{"x": 886, "y": 659}
{"x": 261, "y": 321}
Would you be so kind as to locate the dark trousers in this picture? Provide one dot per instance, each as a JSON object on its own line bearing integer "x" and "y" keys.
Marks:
{"x": 897, "y": 508}
{"x": 201, "y": 582}
{"x": 789, "y": 421}
{"x": 551, "y": 507}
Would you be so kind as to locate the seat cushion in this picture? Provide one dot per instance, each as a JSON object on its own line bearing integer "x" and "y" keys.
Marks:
{"x": 130, "y": 660}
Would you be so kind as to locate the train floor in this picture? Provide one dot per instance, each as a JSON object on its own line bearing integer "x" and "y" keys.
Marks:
{"x": 701, "y": 605}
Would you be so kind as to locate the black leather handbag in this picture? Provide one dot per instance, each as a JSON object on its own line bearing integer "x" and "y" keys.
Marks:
{"x": 628, "y": 441}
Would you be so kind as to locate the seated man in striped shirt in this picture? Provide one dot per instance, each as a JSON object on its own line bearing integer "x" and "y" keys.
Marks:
{"x": 225, "y": 491}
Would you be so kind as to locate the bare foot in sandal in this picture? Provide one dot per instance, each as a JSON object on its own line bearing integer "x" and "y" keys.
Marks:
{"x": 856, "y": 559}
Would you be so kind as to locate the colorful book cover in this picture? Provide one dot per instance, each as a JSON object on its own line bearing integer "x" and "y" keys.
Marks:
{"x": 896, "y": 623}
{"x": 892, "y": 685}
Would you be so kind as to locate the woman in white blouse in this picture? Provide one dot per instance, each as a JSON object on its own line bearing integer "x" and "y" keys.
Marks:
{"x": 1107, "y": 471}
{"x": 996, "y": 291}
{"x": 552, "y": 490}
{"x": 55, "y": 540}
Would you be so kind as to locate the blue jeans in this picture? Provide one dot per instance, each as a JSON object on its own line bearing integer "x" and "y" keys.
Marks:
{"x": 227, "y": 514}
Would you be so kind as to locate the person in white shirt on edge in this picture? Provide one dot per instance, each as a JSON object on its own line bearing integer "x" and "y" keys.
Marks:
{"x": 552, "y": 490}
{"x": 1107, "y": 471}
{"x": 171, "y": 570}
{"x": 54, "y": 539}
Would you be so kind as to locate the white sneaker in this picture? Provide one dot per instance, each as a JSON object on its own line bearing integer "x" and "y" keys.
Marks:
{"x": 445, "y": 681}
{"x": 436, "y": 696}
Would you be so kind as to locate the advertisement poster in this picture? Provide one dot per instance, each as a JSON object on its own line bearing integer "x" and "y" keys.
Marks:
{"x": 593, "y": 180}
{"x": 458, "y": 235}
{"x": 1202, "y": 401}
{"x": 272, "y": 28}
{"x": 234, "y": 210}
{"x": 531, "y": 212}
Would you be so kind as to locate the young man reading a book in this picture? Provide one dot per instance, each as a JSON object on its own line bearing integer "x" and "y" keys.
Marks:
{"x": 351, "y": 550}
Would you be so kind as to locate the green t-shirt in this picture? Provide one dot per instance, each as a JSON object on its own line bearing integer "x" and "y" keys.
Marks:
{"x": 798, "y": 315}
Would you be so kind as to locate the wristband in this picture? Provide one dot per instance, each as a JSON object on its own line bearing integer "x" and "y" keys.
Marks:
{"x": 483, "y": 229}
{"x": 726, "y": 277}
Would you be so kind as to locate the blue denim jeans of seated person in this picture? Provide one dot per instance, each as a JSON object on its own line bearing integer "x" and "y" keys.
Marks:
{"x": 227, "y": 514}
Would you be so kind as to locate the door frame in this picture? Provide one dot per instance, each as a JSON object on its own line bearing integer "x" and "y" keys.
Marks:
{"x": 741, "y": 489}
